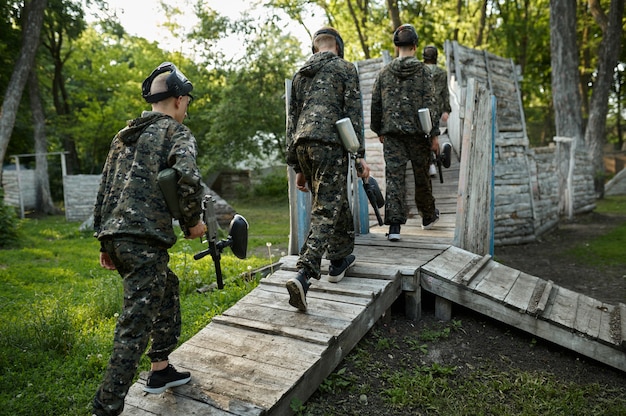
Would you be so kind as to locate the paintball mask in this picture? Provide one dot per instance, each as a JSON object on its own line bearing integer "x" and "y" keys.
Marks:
{"x": 176, "y": 84}
{"x": 405, "y": 35}
{"x": 332, "y": 32}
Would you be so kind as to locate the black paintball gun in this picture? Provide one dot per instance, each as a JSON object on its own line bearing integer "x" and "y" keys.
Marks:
{"x": 423, "y": 114}
{"x": 374, "y": 196}
{"x": 237, "y": 238}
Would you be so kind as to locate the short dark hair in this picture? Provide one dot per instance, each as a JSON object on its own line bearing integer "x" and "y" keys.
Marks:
{"x": 405, "y": 35}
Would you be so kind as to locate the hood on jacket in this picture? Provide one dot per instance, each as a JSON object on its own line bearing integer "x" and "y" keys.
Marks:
{"x": 317, "y": 62}
{"x": 405, "y": 67}
{"x": 130, "y": 134}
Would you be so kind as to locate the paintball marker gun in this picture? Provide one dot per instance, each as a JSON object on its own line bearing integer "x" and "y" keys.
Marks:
{"x": 427, "y": 126}
{"x": 237, "y": 235}
{"x": 237, "y": 238}
{"x": 374, "y": 196}
{"x": 351, "y": 143}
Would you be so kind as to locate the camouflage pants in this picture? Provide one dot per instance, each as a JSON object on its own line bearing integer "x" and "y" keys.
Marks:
{"x": 399, "y": 150}
{"x": 325, "y": 167}
{"x": 151, "y": 311}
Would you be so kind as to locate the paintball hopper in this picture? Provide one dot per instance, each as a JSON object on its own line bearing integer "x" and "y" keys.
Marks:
{"x": 425, "y": 121}
{"x": 238, "y": 236}
{"x": 348, "y": 135}
{"x": 372, "y": 190}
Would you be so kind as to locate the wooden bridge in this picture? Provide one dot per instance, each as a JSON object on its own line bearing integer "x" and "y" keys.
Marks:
{"x": 262, "y": 353}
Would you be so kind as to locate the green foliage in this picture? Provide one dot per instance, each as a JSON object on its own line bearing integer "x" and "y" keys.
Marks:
{"x": 58, "y": 310}
{"x": 337, "y": 381}
{"x": 9, "y": 224}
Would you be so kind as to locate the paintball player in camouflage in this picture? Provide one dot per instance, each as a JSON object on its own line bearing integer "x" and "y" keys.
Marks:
{"x": 442, "y": 95}
{"x": 134, "y": 226}
{"x": 401, "y": 88}
{"x": 325, "y": 90}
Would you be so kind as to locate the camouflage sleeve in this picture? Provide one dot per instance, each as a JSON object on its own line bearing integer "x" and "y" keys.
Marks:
{"x": 354, "y": 107}
{"x": 376, "y": 108}
{"x": 182, "y": 158}
{"x": 293, "y": 113}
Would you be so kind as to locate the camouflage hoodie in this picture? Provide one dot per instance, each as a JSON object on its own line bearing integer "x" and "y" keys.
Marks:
{"x": 129, "y": 201}
{"x": 400, "y": 90}
{"x": 324, "y": 90}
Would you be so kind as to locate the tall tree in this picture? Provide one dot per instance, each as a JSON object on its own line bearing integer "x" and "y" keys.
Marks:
{"x": 43, "y": 202}
{"x": 595, "y": 134}
{"x": 63, "y": 23}
{"x": 33, "y": 12}
{"x": 566, "y": 78}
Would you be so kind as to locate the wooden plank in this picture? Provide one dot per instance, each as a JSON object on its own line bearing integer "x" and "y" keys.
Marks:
{"x": 606, "y": 320}
{"x": 178, "y": 401}
{"x": 540, "y": 297}
{"x": 562, "y": 309}
{"x": 521, "y": 292}
{"x": 497, "y": 281}
{"x": 265, "y": 348}
{"x": 622, "y": 325}
{"x": 470, "y": 271}
{"x": 588, "y": 316}
{"x": 601, "y": 352}
{"x": 448, "y": 263}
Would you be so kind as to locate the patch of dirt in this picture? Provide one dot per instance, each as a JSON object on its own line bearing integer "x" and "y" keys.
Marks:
{"x": 478, "y": 343}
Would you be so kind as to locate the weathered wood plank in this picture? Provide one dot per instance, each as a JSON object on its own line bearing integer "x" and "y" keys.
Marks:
{"x": 622, "y": 325}
{"x": 472, "y": 269}
{"x": 497, "y": 281}
{"x": 540, "y": 297}
{"x": 562, "y": 309}
{"x": 521, "y": 292}
{"x": 448, "y": 263}
{"x": 602, "y": 352}
{"x": 588, "y": 316}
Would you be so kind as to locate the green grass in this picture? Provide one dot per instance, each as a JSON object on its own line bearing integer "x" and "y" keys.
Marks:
{"x": 58, "y": 307}
{"x": 608, "y": 249}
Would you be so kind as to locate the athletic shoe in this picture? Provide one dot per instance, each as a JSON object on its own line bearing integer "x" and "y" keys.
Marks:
{"x": 297, "y": 288}
{"x": 427, "y": 224}
{"x": 446, "y": 155}
{"x": 337, "y": 268}
{"x": 159, "y": 381}
{"x": 394, "y": 232}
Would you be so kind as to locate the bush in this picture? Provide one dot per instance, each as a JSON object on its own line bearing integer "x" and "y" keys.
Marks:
{"x": 9, "y": 224}
{"x": 272, "y": 185}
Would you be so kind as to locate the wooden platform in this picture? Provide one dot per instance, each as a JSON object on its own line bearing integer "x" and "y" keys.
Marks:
{"x": 261, "y": 354}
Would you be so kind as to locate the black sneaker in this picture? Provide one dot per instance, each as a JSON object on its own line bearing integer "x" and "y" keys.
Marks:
{"x": 446, "y": 155}
{"x": 337, "y": 268}
{"x": 427, "y": 224}
{"x": 394, "y": 232}
{"x": 297, "y": 288}
{"x": 159, "y": 381}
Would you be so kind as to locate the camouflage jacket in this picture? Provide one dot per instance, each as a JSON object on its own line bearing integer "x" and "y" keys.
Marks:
{"x": 129, "y": 201}
{"x": 401, "y": 88}
{"x": 442, "y": 95}
{"x": 325, "y": 90}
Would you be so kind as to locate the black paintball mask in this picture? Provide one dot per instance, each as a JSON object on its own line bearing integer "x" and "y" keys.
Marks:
{"x": 177, "y": 84}
{"x": 332, "y": 32}
{"x": 430, "y": 53}
{"x": 405, "y": 35}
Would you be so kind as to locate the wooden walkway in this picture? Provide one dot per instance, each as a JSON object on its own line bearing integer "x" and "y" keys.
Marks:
{"x": 261, "y": 353}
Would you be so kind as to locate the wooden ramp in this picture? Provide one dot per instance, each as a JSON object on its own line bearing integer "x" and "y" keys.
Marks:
{"x": 262, "y": 353}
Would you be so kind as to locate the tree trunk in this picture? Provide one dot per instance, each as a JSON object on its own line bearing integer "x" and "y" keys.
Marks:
{"x": 394, "y": 14}
{"x": 565, "y": 95}
{"x": 43, "y": 201}
{"x": 566, "y": 78}
{"x": 595, "y": 134}
{"x": 34, "y": 10}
